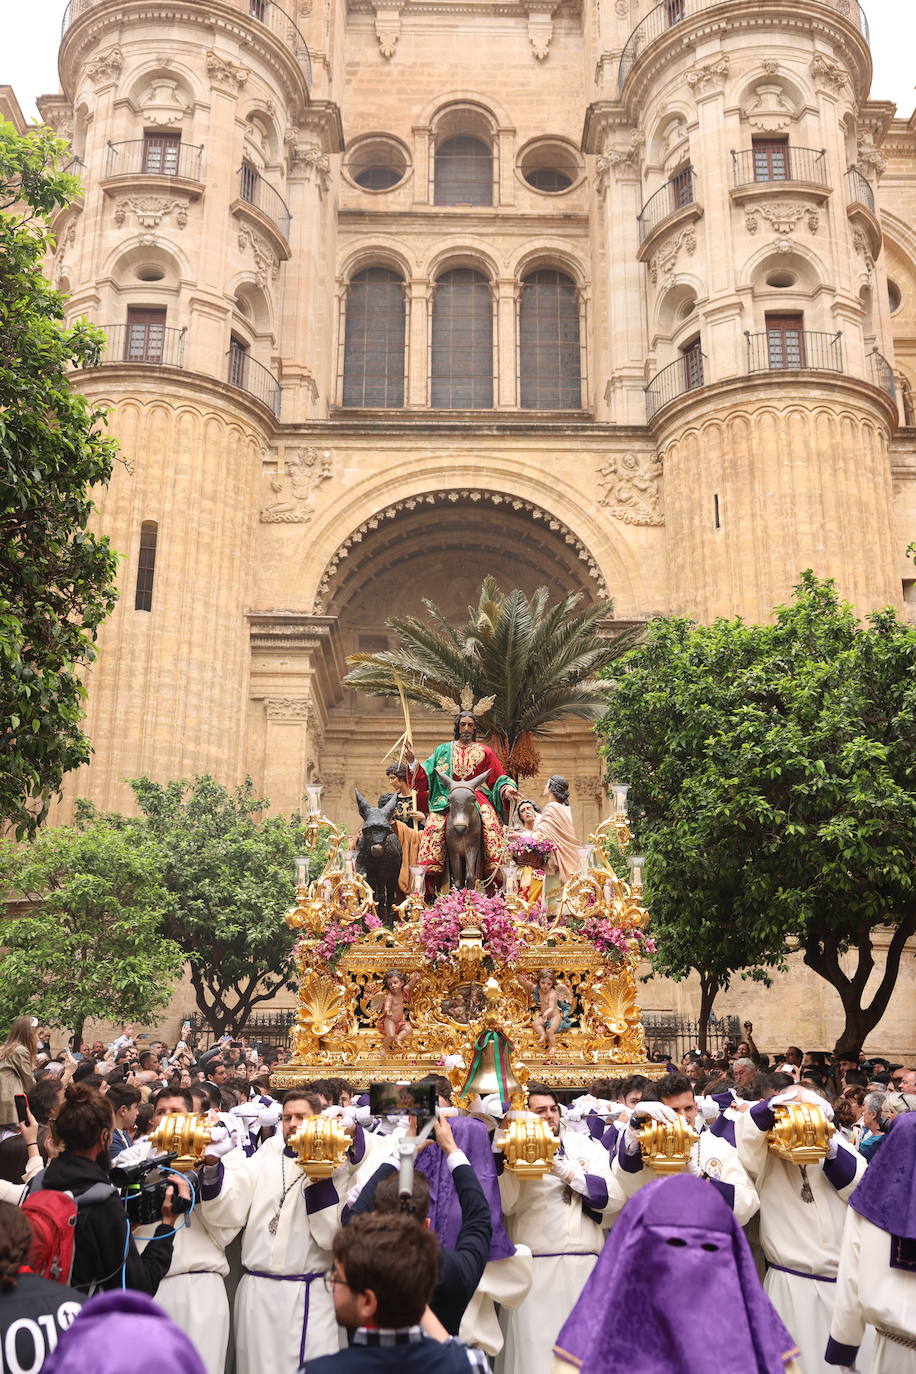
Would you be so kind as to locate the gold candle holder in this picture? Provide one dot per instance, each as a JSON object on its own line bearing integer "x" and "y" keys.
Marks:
{"x": 528, "y": 1146}
{"x": 320, "y": 1145}
{"x": 185, "y": 1134}
{"x": 801, "y": 1134}
{"x": 666, "y": 1145}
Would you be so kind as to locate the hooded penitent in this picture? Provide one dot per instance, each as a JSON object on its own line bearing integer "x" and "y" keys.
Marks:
{"x": 121, "y": 1330}
{"x": 886, "y": 1195}
{"x": 675, "y": 1288}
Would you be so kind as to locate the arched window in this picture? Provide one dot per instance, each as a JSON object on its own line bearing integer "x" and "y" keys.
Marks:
{"x": 462, "y": 341}
{"x": 548, "y": 327}
{"x": 374, "y": 340}
{"x": 464, "y": 172}
{"x": 146, "y": 566}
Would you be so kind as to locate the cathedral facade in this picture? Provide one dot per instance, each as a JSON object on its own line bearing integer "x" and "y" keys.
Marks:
{"x": 604, "y": 296}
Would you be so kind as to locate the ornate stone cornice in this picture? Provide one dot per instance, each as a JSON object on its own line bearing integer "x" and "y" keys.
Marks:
{"x": 230, "y": 76}
{"x": 619, "y": 162}
{"x": 710, "y": 78}
{"x": 828, "y": 75}
{"x": 664, "y": 264}
{"x": 307, "y": 160}
{"x": 106, "y": 67}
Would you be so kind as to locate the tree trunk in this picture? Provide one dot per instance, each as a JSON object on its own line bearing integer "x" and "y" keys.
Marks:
{"x": 822, "y": 956}
{"x": 709, "y": 986}
{"x": 78, "y": 1025}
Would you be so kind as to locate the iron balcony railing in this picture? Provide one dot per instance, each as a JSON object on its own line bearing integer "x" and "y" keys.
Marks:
{"x": 686, "y": 373}
{"x": 266, "y": 12}
{"x": 791, "y": 350}
{"x": 881, "y": 374}
{"x": 141, "y": 157}
{"x": 153, "y": 346}
{"x": 779, "y": 162}
{"x": 860, "y": 189}
{"x": 249, "y": 375}
{"x": 254, "y": 190}
{"x": 671, "y": 12}
{"x": 677, "y": 192}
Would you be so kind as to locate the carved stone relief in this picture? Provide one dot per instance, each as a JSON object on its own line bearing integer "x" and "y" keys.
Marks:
{"x": 621, "y": 161}
{"x": 307, "y": 159}
{"x": 769, "y": 110}
{"x": 150, "y": 210}
{"x": 163, "y": 103}
{"x": 266, "y": 262}
{"x": 387, "y": 29}
{"x": 783, "y": 216}
{"x": 540, "y": 31}
{"x": 664, "y": 263}
{"x": 106, "y": 67}
{"x": 296, "y": 484}
{"x": 710, "y": 77}
{"x": 226, "y": 73}
{"x": 631, "y": 488}
{"x": 828, "y": 74}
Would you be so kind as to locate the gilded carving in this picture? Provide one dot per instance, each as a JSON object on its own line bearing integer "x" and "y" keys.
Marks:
{"x": 783, "y": 216}
{"x": 226, "y": 73}
{"x": 631, "y": 483}
{"x": 150, "y": 210}
{"x": 302, "y": 475}
{"x": 664, "y": 263}
{"x": 106, "y": 67}
{"x": 266, "y": 262}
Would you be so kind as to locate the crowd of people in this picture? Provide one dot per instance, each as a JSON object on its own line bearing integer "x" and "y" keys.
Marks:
{"x": 742, "y": 1262}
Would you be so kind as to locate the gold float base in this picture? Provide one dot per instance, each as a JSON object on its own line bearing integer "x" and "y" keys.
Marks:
{"x": 407, "y": 1068}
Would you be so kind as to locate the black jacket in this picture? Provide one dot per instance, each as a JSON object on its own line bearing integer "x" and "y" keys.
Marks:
{"x": 101, "y": 1233}
{"x": 35, "y": 1297}
{"x": 459, "y": 1269}
{"x": 420, "y": 1357}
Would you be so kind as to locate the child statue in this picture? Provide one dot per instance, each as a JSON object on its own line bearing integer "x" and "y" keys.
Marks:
{"x": 551, "y": 1005}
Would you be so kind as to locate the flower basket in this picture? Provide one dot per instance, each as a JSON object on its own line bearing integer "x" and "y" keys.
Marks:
{"x": 529, "y": 852}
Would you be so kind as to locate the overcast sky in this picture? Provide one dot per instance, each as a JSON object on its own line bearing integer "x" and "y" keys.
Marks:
{"x": 31, "y": 29}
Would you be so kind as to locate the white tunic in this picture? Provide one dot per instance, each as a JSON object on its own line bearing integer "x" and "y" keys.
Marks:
{"x": 869, "y": 1292}
{"x": 554, "y": 1223}
{"x": 283, "y": 1312}
{"x": 800, "y": 1240}
{"x": 711, "y": 1158}
{"x": 506, "y": 1282}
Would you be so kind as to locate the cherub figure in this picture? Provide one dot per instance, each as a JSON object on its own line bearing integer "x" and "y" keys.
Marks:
{"x": 551, "y": 1005}
{"x": 394, "y": 1004}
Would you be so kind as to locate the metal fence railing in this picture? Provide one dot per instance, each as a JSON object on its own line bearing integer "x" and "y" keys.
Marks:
{"x": 861, "y": 191}
{"x": 881, "y": 374}
{"x": 677, "y": 192}
{"x": 671, "y": 12}
{"x": 151, "y": 346}
{"x": 675, "y": 1035}
{"x": 146, "y": 157}
{"x": 262, "y": 1028}
{"x": 254, "y": 190}
{"x": 267, "y": 12}
{"x": 792, "y": 350}
{"x": 770, "y": 162}
{"x": 686, "y": 373}
{"x": 249, "y": 375}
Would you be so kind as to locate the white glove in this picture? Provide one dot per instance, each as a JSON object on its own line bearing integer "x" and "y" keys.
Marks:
{"x": 134, "y": 1154}
{"x": 709, "y": 1108}
{"x": 582, "y": 1106}
{"x": 803, "y": 1095}
{"x": 333, "y": 1112}
{"x": 248, "y": 1111}
{"x": 221, "y": 1142}
{"x": 658, "y": 1111}
{"x": 572, "y": 1174}
{"x": 270, "y": 1114}
{"x": 492, "y": 1105}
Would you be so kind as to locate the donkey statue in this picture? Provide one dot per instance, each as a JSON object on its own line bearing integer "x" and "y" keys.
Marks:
{"x": 378, "y": 854}
{"x": 463, "y": 832}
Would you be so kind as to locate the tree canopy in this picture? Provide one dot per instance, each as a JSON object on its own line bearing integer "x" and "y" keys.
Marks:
{"x": 228, "y": 869}
{"x": 93, "y": 947}
{"x": 56, "y": 577}
{"x": 519, "y": 662}
{"x": 772, "y": 773}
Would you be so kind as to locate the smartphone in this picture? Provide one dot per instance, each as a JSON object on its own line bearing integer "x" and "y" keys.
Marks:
{"x": 403, "y": 1099}
{"x": 22, "y": 1107}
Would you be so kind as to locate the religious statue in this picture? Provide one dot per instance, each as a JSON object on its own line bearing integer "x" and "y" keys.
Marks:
{"x": 551, "y": 1005}
{"x": 393, "y": 1003}
{"x": 460, "y": 760}
{"x": 413, "y": 801}
{"x": 555, "y": 823}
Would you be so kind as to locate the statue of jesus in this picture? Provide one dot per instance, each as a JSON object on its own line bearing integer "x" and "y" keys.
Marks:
{"x": 463, "y": 758}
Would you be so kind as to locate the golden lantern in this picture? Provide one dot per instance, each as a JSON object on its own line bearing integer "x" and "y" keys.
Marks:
{"x": 320, "y": 1145}
{"x": 666, "y": 1145}
{"x": 184, "y": 1134}
{"x": 801, "y": 1134}
{"x": 528, "y": 1145}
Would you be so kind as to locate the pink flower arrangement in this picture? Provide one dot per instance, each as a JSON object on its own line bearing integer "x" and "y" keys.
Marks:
{"x": 337, "y": 938}
{"x": 441, "y": 925}
{"x": 522, "y": 847}
{"x": 614, "y": 940}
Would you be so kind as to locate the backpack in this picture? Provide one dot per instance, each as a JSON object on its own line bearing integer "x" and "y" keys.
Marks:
{"x": 52, "y": 1217}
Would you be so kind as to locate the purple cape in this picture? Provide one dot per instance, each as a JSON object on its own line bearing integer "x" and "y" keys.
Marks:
{"x": 120, "y": 1330}
{"x": 472, "y": 1137}
{"x": 886, "y": 1196}
{"x": 675, "y": 1289}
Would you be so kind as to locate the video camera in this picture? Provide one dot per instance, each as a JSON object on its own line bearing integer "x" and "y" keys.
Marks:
{"x": 143, "y": 1188}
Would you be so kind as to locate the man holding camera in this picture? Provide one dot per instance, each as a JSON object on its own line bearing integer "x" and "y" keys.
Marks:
{"x": 283, "y": 1312}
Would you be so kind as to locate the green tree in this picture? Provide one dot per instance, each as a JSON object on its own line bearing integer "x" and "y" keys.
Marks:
{"x": 520, "y": 662}
{"x": 56, "y": 578}
{"x": 772, "y": 774}
{"x": 92, "y": 947}
{"x": 229, "y": 871}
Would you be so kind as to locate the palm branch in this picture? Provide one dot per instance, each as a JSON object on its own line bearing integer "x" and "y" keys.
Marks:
{"x": 538, "y": 662}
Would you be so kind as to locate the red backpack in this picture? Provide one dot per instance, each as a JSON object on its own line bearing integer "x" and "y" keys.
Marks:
{"x": 52, "y": 1217}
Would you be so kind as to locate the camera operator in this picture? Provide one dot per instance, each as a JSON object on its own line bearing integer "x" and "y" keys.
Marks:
{"x": 104, "y": 1249}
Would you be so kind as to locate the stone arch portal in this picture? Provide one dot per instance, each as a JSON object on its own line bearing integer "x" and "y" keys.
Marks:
{"x": 439, "y": 546}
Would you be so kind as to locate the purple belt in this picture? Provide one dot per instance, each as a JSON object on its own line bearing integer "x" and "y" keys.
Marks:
{"x": 800, "y": 1273}
{"x": 566, "y": 1254}
{"x": 308, "y": 1280}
